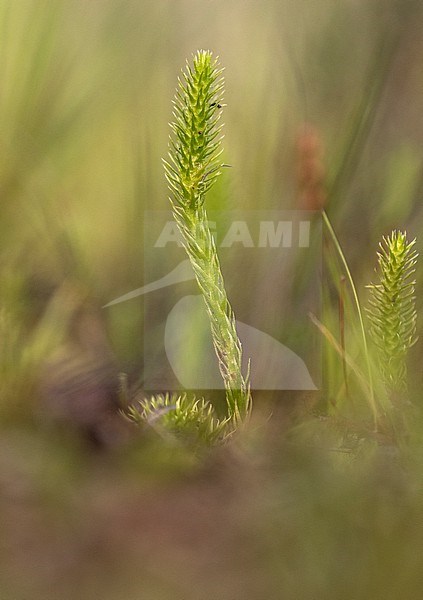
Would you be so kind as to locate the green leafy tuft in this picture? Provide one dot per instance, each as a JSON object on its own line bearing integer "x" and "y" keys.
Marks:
{"x": 186, "y": 417}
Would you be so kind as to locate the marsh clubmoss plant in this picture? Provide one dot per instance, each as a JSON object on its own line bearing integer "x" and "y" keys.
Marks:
{"x": 193, "y": 167}
{"x": 392, "y": 311}
{"x": 185, "y": 417}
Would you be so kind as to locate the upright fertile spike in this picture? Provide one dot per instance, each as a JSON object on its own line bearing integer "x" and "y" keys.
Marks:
{"x": 193, "y": 167}
{"x": 392, "y": 310}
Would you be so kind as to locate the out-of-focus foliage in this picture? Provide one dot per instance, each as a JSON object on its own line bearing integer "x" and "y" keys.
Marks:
{"x": 85, "y": 103}
{"x": 85, "y": 90}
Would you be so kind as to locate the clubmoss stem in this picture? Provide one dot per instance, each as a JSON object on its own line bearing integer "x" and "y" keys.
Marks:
{"x": 194, "y": 165}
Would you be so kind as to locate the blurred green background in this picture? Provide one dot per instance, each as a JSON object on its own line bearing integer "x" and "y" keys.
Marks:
{"x": 85, "y": 101}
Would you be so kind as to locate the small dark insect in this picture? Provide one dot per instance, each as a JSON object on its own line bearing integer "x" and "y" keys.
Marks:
{"x": 215, "y": 104}
{"x": 200, "y": 133}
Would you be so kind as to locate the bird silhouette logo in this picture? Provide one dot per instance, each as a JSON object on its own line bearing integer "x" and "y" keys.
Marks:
{"x": 274, "y": 366}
